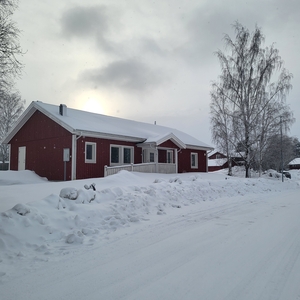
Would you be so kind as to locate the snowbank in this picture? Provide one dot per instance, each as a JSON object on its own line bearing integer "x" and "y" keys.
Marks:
{"x": 74, "y": 216}
{"x": 19, "y": 177}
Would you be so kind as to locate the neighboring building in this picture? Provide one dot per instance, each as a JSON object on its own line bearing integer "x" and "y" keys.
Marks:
{"x": 62, "y": 143}
{"x": 216, "y": 161}
{"x": 294, "y": 164}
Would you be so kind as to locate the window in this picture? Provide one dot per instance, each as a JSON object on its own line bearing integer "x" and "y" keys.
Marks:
{"x": 127, "y": 155}
{"x": 90, "y": 152}
{"x": 151, "y": 156}
{"x": 169, "y": 156}
{"x": 194, "y": 160}
{"x": 148, "y": 156}
{"x": 115, "y": 155}
{"x": 120, "y": 155}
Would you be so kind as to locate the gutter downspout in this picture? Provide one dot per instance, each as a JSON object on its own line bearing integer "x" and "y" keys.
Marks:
{"x": 9, "y": 155}
{"x": 176, "y": 159}
{"x": 156, "y": 159}
{"x": 74, "y": 156}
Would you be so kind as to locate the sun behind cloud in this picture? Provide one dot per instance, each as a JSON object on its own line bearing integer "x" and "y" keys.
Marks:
{"x": 92, "y": 104}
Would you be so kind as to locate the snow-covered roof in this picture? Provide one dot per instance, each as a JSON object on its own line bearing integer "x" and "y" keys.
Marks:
{"x": 211, "y": 153}
{"x": 97, "y": 125}
{"x": 217, "y": 162}
{"x": 295, "y": 161}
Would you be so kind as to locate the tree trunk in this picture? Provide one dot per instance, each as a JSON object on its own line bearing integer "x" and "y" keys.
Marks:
{"x": 229, "y": 166}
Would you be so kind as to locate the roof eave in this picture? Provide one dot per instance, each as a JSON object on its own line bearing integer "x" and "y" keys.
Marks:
{"x": 85, "y": 133}
{"x": 195, "y": 147}
{"x": 20, "y": 122}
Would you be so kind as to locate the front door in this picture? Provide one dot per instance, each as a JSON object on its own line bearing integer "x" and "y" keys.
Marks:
{"x": 22, "y": 158}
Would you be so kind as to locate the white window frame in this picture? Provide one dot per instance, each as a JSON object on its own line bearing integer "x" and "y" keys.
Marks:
{"x": 93, "y": 159}
{"x": 171, "y": 156}
{"x": 195, "y": 166}
{"x": 121, "y": 155}
{"x": 147, "y": 153}
{"x": 150, "y": 154}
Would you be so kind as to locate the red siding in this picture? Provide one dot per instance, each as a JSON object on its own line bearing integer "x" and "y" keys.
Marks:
{"x": 162, "y": 153}
{"x": 168, "y": 144}
{"x": 162, "y": 156}
{"x": 217, "y": 168}
{"x": 92, "y": 170}
{"x": 184, "y": 161}
{"x": 44, "y": 140}
{"x": 214, "y": 168}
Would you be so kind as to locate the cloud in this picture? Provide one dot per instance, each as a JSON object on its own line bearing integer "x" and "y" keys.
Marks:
{"x": 93, "y": 22}
{"x": 150, "y": 45}
{"x": 84, "y": 21}
{"x": 131, "y": 75}
{"x": 206, "y": 25}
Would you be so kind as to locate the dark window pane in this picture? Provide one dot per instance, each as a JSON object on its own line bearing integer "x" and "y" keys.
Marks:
{"x": 169, "y": 157}
{"x": 115, "y": 155}
{"x": 89, "y": 151}
{"x": 127, "y": 155}
{"x": 151, "y": 157}
{"x": 193, "y": 160}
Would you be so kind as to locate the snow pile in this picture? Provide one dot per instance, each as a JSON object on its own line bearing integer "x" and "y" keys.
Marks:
{"x": 19, "y": 177}
{"x": 81, "y": 217}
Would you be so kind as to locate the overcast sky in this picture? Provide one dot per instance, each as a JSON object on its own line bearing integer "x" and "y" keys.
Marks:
{"x": 144, "y": 60}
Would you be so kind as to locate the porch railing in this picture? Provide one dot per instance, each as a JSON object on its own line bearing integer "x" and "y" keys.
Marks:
{"x": 145, "y": 168}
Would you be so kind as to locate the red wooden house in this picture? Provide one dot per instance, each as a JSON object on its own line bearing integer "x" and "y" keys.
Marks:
{"x": 60, "y": 143}
{"x": 217, "y": 160}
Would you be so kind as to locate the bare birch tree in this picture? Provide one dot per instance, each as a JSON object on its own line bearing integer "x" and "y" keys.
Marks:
{"x": 11, "y": 104}
{"x": 272, "y": 159}
{"x": 10, "y": 48}
{"x": 221, "y": 128}
{"x": 11, "y": 107}
{"x": 248, "y": 92}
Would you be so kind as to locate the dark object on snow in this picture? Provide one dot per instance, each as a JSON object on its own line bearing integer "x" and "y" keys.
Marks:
{"x": 92, "y": 186}
{"x": 287, "y": 174}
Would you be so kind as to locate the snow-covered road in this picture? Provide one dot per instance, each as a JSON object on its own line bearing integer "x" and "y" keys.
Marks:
{"x": 232, "y": 249}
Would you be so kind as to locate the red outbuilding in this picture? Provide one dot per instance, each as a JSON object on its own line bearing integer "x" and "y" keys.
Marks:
{"x": 61, "y": 143}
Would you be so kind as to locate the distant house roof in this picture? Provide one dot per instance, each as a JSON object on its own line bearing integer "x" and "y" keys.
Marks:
{"x": 97, "y": 125}
{"x": 219, "y": 162}
{"x": 295, "y": 161}
{"x": 215, "y": 151}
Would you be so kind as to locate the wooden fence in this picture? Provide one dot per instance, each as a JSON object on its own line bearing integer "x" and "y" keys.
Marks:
{"x": 145, "y": 168}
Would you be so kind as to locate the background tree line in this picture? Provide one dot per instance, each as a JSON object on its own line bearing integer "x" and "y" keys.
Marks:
{"x": 11, "y": 104}
{"x": 248, "y": 102}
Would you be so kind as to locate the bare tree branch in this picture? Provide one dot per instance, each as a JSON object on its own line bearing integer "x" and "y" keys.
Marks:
{"x": 246, "y": 103}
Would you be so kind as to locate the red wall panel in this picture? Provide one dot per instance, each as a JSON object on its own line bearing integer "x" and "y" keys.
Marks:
{"x": 92, "y": 170}
{"x": 169, "y": 144}
{"x": 184, "y": 161}
{"x": 44, "y": 140}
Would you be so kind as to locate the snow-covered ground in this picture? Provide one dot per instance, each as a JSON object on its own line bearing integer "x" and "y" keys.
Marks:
{"x": 150, "y": 236}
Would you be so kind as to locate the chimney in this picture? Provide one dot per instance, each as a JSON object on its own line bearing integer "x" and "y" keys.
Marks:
{"x": 63, "y": 109}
